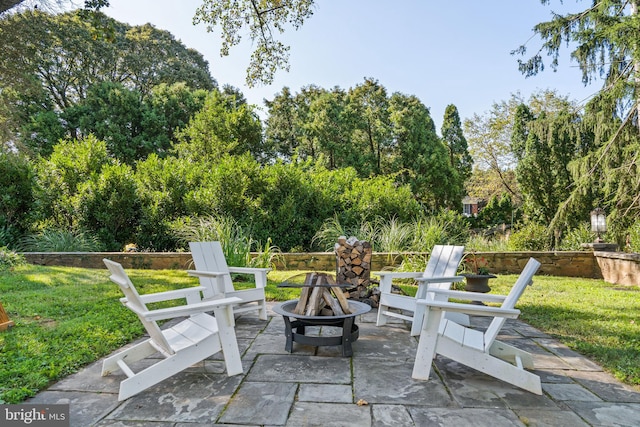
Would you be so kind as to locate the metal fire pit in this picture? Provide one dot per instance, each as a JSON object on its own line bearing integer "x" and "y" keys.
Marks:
{"x": 350, "y": 331}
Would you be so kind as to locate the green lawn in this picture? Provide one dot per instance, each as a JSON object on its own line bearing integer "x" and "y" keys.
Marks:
{"x": 66, "y": 318}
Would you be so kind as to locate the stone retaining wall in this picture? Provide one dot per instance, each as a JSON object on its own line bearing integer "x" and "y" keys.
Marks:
{"x": 614, "y": 267}
{"x": 619, "y": 267}
{"x": 573, "y": 264}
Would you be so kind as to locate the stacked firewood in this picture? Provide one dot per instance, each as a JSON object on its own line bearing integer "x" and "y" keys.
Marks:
{"x": 353, "y": 266}
{"x": 321, "y": 297}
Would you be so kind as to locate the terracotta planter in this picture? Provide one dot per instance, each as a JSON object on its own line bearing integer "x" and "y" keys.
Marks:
{"x": 478, "y": 282}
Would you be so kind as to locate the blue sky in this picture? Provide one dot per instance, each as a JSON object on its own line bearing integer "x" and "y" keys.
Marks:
{"x": 443, "y": 52}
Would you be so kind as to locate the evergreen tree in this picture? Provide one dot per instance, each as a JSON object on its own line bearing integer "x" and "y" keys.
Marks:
{"x": 605, "y": 40}
{"x": 453, "y": 136}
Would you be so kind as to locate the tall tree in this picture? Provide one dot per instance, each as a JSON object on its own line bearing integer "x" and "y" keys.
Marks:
{"x": 422, "y": 158}
{"x": 51, "y": 61}
{"x": 289, "y": 123}
{"x": 605, "y": 40}
{"x": 331, "y": 128}
{"x": 489, "y": 138}
{"x": 283, "y": 128}
{"x": 552, "y": 141}
{"x": 453, "y": 136}
{"x": 368, "y": 103}
{"x": 222, "y": 127}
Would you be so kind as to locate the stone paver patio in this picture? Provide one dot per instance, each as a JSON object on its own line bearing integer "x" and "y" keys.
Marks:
{"x": 318, "y": 387}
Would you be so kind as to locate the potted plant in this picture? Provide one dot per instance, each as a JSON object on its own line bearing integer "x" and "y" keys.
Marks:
{"x": 476, "y": 272}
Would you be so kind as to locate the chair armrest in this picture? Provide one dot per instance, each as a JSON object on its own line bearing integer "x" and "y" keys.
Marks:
{"x": 476, "y": 310}
{"x": 259, "y": 274}
{"x": 249, "y": 270}
{"x": 472, "y": 296}
{"x": 202, "y": 273}
{"x": 170, "y": 295}
{"x": 439, "y": 279}
{"x": 398, "y": 274}
{"x": 184, "y": 310}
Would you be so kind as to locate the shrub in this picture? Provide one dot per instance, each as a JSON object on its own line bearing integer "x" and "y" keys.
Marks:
{"x": 531, "y": 237}
{"x": 16, "y": 200}
{"x": 60, "y": 241}
{"x": 9, "y": 259}
{"x": 62, "y": 176}
{"x": 575, "y": 237}
{"x": 480, "y": 243}
{"x": 108, "y": 205}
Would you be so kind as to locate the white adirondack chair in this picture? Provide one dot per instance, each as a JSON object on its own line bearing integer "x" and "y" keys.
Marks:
{"x": 474, "y": 348}
{"x": 439, "y": 273}
{"x": 190, "y": 341}
{"x": 215, "y": 276}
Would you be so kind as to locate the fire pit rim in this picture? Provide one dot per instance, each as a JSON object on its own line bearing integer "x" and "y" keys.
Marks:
{"x": 360, "y": 308}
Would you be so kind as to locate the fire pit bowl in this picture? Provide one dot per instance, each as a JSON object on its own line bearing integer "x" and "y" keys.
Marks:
{"x": 350, "y": 331}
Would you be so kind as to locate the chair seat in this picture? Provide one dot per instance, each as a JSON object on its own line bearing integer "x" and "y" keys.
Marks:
{"x": 190, "y": 331}
{"x": 466, "y": 337}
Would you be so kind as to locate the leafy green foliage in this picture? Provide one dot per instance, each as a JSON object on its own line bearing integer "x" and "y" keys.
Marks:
{"x": 222, "y": 127}
{"x": 261, "y": 20}
{"x": 499, "y": 210}
{"x": 108, "y": 206}
{"x": 51, "y": 240}
{"x": 542, "y": 171}
{"x": 10, "y": 259}
{"x": 573, "y": 238}
{"x": 530, "y": 237}
{"x": 634, "y": 237}
{"x": 71, "y": 60}
{"x": 17, "y": 199}
{"x": 59, "y": 178}
{"x": 453, "y": 137}
{"x": 603, "y": 38}
{"x": 117, "y": 116}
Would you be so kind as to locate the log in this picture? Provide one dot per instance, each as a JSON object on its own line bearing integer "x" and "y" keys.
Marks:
{"x": 342, "y": 300}
{"x": 313, "y": 307}
{"x": 304, "y": 294}
{"x": 331, "y": 302}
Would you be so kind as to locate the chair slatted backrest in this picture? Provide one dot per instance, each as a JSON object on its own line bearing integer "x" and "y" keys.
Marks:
{"x": 209, "y": 256}
{"x": 525, "y": 278}
{"x": 120, "y": 277}
{"x": 443, "y": 261}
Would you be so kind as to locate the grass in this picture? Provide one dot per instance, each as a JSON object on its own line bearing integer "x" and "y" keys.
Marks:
{"x": 66, "y": 318}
